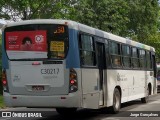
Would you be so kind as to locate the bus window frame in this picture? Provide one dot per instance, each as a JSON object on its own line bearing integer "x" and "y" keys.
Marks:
{"x": 142, "y": 59}
{"x": 129, "y": 56}
{"x": 133, "y": 57}
{"x": 117, "y": 55}
{"x": 109, "y": 64}
{"x": 80, "y": 49}
{"x": 66, "y": 49}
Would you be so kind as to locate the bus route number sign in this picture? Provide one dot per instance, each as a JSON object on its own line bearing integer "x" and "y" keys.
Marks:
{"x": 57, "y": 46}
{"x": 60, "y": 29}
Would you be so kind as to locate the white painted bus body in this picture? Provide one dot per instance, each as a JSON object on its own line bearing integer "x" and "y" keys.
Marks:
{"x": 132, "y": 83}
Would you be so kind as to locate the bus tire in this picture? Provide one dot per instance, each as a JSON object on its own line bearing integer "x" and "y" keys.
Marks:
{"x": 66, "y": 111}
{"x": 116, "y": 101}
{"x": 145, "y": 99}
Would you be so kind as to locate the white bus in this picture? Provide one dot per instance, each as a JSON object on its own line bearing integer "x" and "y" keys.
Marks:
{"x": 68, "y": 65}
{"x": 158, "y": 77}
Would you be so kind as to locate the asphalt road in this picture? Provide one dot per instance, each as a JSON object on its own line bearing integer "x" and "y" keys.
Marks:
{"x": 134, "y": 110}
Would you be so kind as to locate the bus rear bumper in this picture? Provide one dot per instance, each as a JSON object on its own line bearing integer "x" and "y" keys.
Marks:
{"x": 70, "y": 100}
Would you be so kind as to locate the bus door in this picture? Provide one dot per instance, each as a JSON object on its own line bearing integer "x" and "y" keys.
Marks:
{"x": 155, "y": 74}
{"x": 90, "y": 74}
{"x": 101, "y": 66}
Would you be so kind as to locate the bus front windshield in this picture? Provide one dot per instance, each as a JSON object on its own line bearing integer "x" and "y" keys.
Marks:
{"x": 36, "y": 41}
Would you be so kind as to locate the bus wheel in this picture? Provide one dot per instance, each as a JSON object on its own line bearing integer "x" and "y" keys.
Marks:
{"x": 66, "y": 111}
{"x": 116, "y": 101}
{"x": 145, "y": 99}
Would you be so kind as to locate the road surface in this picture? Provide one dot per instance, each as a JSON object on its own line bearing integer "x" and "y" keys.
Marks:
{"x": 134, "y": 110}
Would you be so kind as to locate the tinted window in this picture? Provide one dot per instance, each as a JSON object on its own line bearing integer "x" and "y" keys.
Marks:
{"x": 142, "y": 56}
{"x": 158, "y": 75}
{"x": 126, "y": 56}
{"x": 37, "y": 41}
{"x": 87, "y": 50}
{"x": 149, "y": 62}
{"x": 135, "y": 59}
{"x": 114, "y": 49}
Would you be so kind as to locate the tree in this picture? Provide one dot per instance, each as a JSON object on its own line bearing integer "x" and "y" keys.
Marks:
{"x": 143, "y": 18}
{"x": 107, "y": 15}
{"x": 159, "y": 21}
{"x": 154, "y": 40}
{"x": 31, "y": 9}
{"x": 136, "y": 19}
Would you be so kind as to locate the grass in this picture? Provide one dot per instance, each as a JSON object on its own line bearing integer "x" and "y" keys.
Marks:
{"x": 2, "y": 105}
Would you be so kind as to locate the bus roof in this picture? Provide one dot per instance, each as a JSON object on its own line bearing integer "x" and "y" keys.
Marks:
{"x": 84, "y": 28}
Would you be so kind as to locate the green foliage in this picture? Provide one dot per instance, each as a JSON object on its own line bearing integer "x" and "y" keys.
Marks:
{"x": 159, "y": 21}
{"x": 107, "y": 15}
{"x": 154, "y": 40}
{"x": 2, "y": 105}
{"x": 143, "y": 18}
{"x": 34, "y": 9}
{"x": 136, "y": 19}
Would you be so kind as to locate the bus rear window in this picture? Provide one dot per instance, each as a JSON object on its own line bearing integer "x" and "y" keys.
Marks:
{"x": 36, "y": 41}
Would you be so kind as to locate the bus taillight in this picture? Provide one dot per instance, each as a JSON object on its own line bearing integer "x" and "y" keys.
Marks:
{"x": 72, "y": 82}
{"x": 4, "y": 81}
{"x": 73, "y": 87}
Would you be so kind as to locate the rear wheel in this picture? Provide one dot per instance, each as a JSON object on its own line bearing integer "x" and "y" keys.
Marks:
{"x": 116, "y": 101}
{"x": 145, "y": 99}
{"x": 66, "y": 111}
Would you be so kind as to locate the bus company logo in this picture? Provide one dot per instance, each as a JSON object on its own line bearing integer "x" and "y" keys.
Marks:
{"x": 6, "y": 114}
{"x": 39, "y": 38}
{"x": 118, "y": 77}
{"x": 16, "y": 77}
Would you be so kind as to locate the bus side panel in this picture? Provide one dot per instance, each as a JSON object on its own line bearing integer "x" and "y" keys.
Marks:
{"x": 90, "y": 88}
{"x": 151, "y": 79}
{"x": 139, "y": 83}
{"x": 4, "y": 55}
{"x": 115, "y": 78}
{"x": 73, "y": 59}
{"x": 133, "y": 84}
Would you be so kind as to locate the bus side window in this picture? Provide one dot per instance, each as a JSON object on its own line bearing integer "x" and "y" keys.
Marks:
{"x": 108, "y": 59}
{"x": 142, "y": 59}
{"x": 158, "y": 75}
{"x": 148, "y": 62}
{"x": 126, "y": 59}
{"x": 117, "y": 61}
{"x": 135, "y": 58}
{"x": 114, "y": 49}
{"x": 87, "y": 50}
